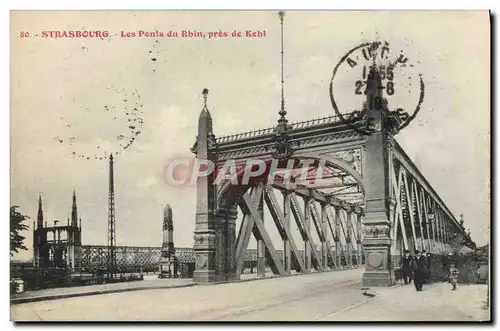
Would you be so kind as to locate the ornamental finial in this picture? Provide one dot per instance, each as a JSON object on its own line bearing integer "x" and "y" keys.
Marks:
{"x": 282, "y": 111}
{"x": 205, "y": 94}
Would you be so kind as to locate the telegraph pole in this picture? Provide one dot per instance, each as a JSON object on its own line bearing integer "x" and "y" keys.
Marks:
{"x": 111, "y": 222}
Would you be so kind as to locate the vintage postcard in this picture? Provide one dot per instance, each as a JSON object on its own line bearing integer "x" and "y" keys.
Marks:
{"x": 250, "y": 166}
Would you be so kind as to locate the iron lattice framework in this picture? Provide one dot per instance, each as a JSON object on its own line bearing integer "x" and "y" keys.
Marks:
{"x": 128, "y": 259}
{"x": 336, "y": 208}
{"x": 146, "y": 259}
{"x": 111, "y": 222}
{"x": 369, "y": 203}
{"x": 421, "y": 219}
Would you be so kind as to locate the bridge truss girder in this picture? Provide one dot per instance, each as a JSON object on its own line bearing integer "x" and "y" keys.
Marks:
{"x": 421, "y": 219}
{"x": 376, "y": 205}
{"x": 326, "y": 258}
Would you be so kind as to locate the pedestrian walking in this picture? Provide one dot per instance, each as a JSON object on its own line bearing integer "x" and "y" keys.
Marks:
{"x": 454, "y": 276}
{"x": 423, "y": 254}
{"x": 405, "y": 263}
{"x": 429, "y": 264}
{"x": 418, "y": 267}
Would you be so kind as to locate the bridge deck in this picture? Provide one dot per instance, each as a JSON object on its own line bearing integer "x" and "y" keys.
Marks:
{"x": 304, "y": 297}
{"x": 435, "y": 303}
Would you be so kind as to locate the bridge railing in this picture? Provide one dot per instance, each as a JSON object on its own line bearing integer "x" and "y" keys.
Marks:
{"x": 270, "y": 130}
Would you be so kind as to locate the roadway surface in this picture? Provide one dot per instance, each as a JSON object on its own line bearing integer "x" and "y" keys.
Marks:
{"x": 297, "y": 298}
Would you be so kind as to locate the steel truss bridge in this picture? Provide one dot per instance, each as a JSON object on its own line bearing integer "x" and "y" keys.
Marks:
{"x": 372, "y": 201}
{"x": 146, "y": 259}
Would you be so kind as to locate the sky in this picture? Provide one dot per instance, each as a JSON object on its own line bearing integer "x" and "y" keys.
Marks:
{"x": 68, "y": 96}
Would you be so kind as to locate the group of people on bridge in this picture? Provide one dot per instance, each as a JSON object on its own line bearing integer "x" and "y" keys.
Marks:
{"x": 416, "y": 267}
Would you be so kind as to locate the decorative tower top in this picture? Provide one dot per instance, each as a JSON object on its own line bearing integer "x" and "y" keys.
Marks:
{"x": 205, "y": 118}
{"x": 111, "y": 174}
{"x": 282, "y": 121}
{"x": 462, "y": 220}
{"x": 373, "y": 86}
{"x": 167, "y": 210}
{"x": 205, "y": 138}
{"x": 168, "y": 223}
{"x": 282, "y": 112}
{"x": 205, "y": 96}
{"x": 39, "y": 220}
{"x": 375, "y": 105}
{"x": 282, "y": 147}
{"x": 74, "y": 211}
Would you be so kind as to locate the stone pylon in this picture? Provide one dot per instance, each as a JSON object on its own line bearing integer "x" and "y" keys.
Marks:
{"x": 168, "y": 261}
{"x": 377, "y": 222}
{"x": 204, "y": 233}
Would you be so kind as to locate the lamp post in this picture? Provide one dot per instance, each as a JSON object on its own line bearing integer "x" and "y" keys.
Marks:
{"x": 430, "y": 217}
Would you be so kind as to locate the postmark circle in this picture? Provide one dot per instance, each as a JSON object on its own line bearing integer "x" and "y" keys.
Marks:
{"x": 392, "y": 70}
